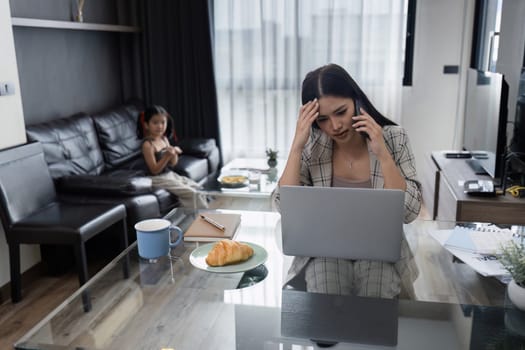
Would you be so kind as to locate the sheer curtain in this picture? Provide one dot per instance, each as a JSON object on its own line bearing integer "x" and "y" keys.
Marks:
{"x": 264, "y": 48}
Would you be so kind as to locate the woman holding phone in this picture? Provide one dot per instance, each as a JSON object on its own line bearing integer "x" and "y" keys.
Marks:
{"x": 341, "y": 140}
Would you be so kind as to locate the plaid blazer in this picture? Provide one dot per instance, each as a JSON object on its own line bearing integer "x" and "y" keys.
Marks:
{"x": 316, "y": 170}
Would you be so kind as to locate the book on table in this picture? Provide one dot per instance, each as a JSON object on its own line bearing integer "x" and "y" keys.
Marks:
{"x": 482, "y": 240}
{"x": 459, "y": 242}
{"x": 204, "y": 228}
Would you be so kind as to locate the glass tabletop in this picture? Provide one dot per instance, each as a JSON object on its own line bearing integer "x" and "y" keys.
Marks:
{"x": 260, "y": 179}
{"x": 169, "y": 304}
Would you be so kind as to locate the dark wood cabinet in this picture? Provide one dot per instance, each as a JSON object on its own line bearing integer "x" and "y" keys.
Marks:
{"x": 446, "y": 200}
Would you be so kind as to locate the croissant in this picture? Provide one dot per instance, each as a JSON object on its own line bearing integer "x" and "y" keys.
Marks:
{"x": 226, "y": 252}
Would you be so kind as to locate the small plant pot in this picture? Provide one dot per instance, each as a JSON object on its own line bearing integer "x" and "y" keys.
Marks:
{"x": 272, "y": 163}
{"x": 272, "y": 174}
{"x": 516, "y": 295}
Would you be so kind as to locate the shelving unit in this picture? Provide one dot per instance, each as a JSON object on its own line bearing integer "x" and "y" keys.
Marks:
{"x": 44, "y": 23}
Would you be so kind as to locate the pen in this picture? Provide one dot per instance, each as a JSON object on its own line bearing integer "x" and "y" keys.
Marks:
{"x": 213, "y": 222}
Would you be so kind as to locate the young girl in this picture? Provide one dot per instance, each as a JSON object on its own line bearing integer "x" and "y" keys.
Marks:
{"x": 159, "y": 156}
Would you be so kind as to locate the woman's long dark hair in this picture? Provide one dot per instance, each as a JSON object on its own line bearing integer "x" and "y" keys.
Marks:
{"x": 146, "y": 116}
{"x": 334, "y": 80}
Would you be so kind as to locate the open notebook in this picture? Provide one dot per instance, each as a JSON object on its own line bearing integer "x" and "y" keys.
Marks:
{"x": 203, "y": 231}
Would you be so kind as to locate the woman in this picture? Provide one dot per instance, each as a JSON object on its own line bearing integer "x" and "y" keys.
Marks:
{"x": 341, "y": 140}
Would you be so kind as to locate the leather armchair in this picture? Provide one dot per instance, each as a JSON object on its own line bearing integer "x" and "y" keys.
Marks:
{"x": 31, "y": 213}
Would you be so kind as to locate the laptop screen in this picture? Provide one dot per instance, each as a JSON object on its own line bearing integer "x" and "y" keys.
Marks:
{"x": 348, "y": 223}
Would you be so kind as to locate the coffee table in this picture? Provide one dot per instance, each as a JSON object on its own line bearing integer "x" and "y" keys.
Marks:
{"x": 173, "y": 305}
{"x": 262, "y": 178}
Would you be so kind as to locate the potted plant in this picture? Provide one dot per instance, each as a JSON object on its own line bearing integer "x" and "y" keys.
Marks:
{"x": 513, "y": 259}
{"x": 272, "y": 157}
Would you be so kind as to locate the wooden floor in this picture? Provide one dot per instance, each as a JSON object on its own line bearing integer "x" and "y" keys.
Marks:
{"x": 440, "y": 280}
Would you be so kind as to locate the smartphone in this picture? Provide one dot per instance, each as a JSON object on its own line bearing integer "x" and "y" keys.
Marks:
{"x": 357, "y": 111}
{"x": 357, "y": 107}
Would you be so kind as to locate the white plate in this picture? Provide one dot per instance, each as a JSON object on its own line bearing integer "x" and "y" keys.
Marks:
{"x": 198, "y": 256}
{"x": 244, "y": 181}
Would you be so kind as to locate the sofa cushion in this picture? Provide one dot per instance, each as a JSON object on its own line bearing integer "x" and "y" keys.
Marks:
{"x": 213, "y": 162}
{"x": 192, "y": 167}
{"x": 136, "y": 164}
{"x": 105, "y": 185}
{"x": 198, "y": 147}
{"x": 70, "y": 145}
{"x": 166, "y": 200}
{"x": 117, "y": 134}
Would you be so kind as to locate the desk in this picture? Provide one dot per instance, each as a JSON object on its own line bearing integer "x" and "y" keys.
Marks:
{"x": 200, "y": 310}
{"x": 444, "y": 197}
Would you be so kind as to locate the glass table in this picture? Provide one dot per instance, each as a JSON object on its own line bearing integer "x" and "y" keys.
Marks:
{"x": 170, "y": 304}
{"x": 262, "y": 178}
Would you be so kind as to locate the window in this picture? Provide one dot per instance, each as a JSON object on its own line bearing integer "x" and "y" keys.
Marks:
{"x": 264, "y": 48}
{"x": 485, "y": 37}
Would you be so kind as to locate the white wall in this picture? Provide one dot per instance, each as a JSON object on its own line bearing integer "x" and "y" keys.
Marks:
{"x": 432, "y": 108}
{"x": 12, "y": 130}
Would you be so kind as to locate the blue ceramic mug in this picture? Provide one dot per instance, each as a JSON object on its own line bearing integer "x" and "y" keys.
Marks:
{"x": 154, "y": 237}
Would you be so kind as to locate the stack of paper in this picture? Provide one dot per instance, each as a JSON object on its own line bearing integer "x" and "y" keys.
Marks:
{"x": 485, "y": 265}
{"x": 482, "y": 240}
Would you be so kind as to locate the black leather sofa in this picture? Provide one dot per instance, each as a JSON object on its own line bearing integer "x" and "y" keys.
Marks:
{"x": 97, "y": 159}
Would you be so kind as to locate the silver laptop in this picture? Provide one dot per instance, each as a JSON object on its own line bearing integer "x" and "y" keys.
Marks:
{"x": 348, "y": 223}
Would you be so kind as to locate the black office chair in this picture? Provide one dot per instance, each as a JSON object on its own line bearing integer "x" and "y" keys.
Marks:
{"x": 32, "y": 214}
